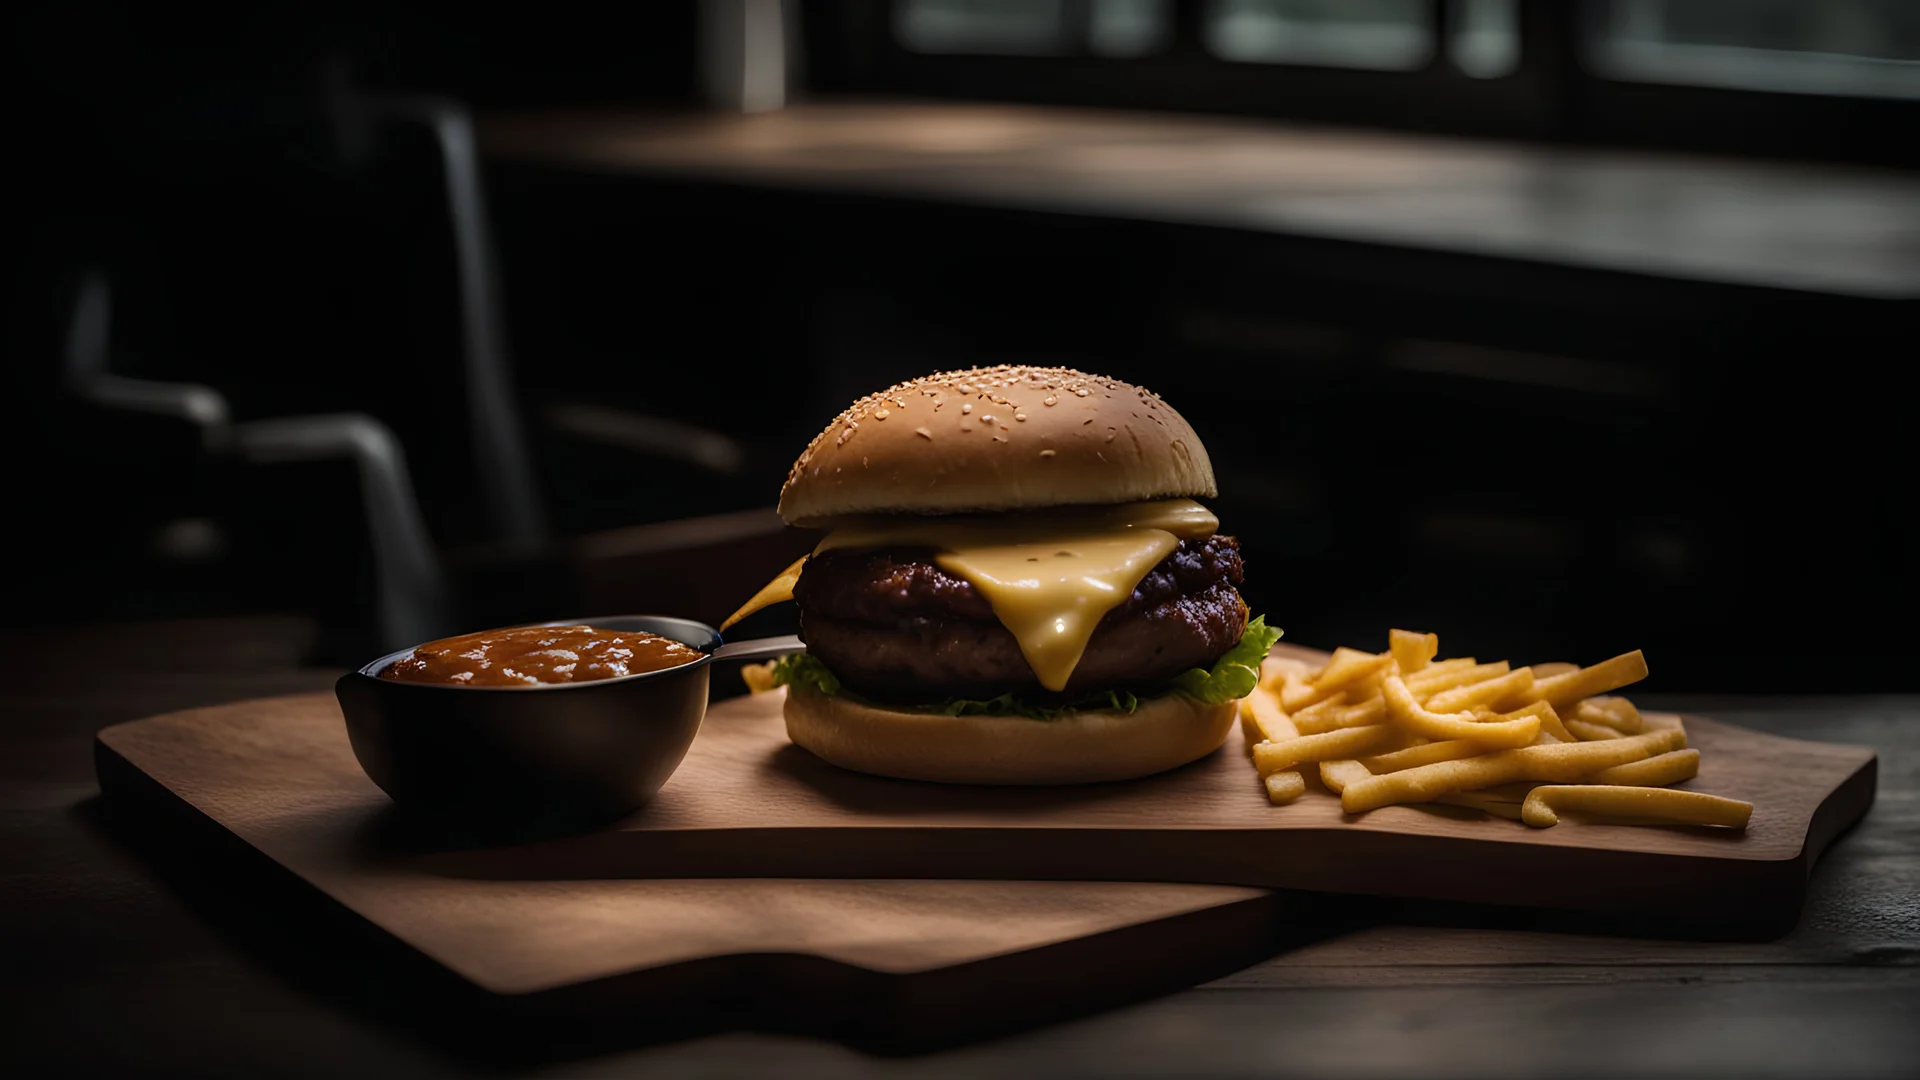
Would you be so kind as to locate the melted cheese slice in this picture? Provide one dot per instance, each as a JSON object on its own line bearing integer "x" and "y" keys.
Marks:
{"x": 1049, "y": 577}
{"x": 778, "y": 590}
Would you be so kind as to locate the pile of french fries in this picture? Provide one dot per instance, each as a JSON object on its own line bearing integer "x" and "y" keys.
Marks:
{"x": 1527, "y": 743}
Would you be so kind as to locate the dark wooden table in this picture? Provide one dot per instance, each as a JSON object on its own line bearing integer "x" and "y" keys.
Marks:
{"x": 116, "y": 957}
{"x": 1828, "y": 228}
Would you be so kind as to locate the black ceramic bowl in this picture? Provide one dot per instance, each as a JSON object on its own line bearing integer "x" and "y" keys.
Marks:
{"x": 540, "y": 758}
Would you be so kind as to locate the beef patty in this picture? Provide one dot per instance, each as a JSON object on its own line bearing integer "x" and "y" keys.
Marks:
{"x": 895, "y": 626}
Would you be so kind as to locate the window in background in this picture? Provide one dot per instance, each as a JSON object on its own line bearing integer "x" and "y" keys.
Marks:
{"x": 1483, "y": 37}
{"x": 1385, "y": 35}
{"x": 1117, "y": 28}
{"x": 1007, "y": 27}
{"x": 1129, "y": 27}
{"x": 1850, "y": 47}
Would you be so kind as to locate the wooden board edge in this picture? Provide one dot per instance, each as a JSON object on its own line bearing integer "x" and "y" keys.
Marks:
{"x": 805, "y": 994}
{"x": 1845, "y": 806}
{"x": 169, "y": 817}
{"x": 192, "y": 851}
{"x": 1365, "y": 859}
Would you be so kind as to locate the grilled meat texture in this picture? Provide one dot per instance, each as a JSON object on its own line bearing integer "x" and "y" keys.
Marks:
{"x": 896, "y": 627}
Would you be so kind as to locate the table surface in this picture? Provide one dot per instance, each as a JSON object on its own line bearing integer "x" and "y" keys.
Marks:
{"x": 113, "y": 960}
{"x": 1842, "y": 230}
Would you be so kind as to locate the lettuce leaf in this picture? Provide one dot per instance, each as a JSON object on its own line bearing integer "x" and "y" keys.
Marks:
{"x": 1233, "y": 676}
{"x": 802, "y": 669}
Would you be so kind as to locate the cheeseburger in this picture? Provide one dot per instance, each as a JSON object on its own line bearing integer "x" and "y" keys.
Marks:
{"x": 1015, "y": 586}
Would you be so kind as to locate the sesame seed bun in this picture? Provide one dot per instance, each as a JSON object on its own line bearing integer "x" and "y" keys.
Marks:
{"x": 997, "y": 439}
{"x": 1079, "y": 748}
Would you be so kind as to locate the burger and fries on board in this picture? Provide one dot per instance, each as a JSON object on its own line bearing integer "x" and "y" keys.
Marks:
{"x": 1015, "y": 585}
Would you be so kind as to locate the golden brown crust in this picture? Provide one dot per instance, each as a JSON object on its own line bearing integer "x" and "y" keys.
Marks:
{"x": 1088, "y": 747}
{"x": 997, "y": 439}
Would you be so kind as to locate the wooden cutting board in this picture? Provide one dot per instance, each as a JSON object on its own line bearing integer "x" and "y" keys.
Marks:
{"x": 746, "y": 802}
{"x": 886, "y": 962}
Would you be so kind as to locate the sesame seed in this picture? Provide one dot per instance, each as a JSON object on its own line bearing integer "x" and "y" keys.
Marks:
{"x": 966, "y": 407}
{"x": 923, "y": 433}
{"x": 882, "y": 414}
{"x": 1046, "y": 453}
{"x": 1051, "y": 400}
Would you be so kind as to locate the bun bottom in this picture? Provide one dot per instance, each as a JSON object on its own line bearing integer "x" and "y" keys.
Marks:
{"x": 1081, "y": 748}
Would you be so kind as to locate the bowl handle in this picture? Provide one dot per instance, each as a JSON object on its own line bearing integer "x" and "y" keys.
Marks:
{"x": 760, "y": 648}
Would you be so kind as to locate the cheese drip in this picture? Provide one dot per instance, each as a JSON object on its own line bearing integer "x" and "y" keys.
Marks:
{"x": 1049, "y": 577}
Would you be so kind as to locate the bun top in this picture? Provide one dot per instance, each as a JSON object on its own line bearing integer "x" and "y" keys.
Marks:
{"x": 997, "y": 439}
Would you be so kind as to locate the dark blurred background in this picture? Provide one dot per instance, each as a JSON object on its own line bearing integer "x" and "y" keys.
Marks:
{"x": 1557, "y": 328}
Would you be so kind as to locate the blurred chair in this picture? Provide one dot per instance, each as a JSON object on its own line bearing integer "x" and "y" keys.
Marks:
{"x": 497, "y": 438}
{"x": 410, "y": 590}
{"x": 496, "y": 428}
{"x": 286, "y": 305}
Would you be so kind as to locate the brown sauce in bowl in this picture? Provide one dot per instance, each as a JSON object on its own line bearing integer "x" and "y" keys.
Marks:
{"x": 538, "y": 656}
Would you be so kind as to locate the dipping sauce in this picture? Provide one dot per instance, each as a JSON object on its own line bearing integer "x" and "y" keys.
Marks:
{"x": 538, "y": 656}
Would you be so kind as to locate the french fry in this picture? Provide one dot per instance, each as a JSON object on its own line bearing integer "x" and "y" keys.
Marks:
{"x": 1410, "y": 716}
{"x": 1411, "y": 651}
{"x": 1271, "y": 720}
{"x": 1310, "y": 716}
{"x": 1436, "y": 668}
{"x": 1427, "y": 754}
{"x": 1546, "y": 803}
{"x": 1249, "y": 727}
{"x": 1657, "y": 771}
{"x": 1349, "y": 666}
{"x": 1563, "y": 690}
{"x": 1515, "y": 793}
{"x": 1616, "y": 712}
{"x": 1274, "y": 669}
{"x": 1560, "y": 763}
{"x": 1401, "y": 727}
{"x": 1297, "y": 692}
{"x": 1337, "y": 773}
{"x": 1345, "y": 716}
{"x": 1368, "y": 686}
{"x": 1272, "y": 757}
{"x": 1434, "y": 680}
{"x": 758, "y": 677}
{"x": 1283, "y": 787}
{"x": 1549, "y": 721}
{"x": 1511, "y": 686}
{"x": 1550, "y": 724}
{"x": 1586, "y": 732}
{"x": 1479, "y": 800}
